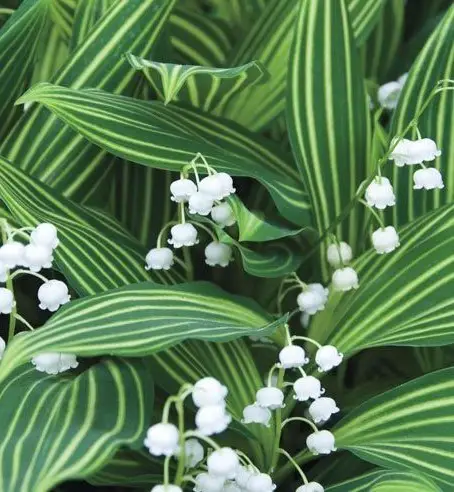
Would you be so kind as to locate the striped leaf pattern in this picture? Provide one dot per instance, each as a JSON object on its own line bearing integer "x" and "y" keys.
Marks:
{"x": 269, "y": 40}
{"x": 142, "y": 319}
{"x": 97, "y": 62}
{"x": 95, "y": 254}
{"x": 55, "y": 429}
{"x": 62, "y": 14}
{"x": 406, "y": 428}
{"x": 19, "y": 42}
{"x": 434, "y": 63}
{"x": 328, "y": 121}
{"x": 169, "y": 137}
{"x": 206, "y": 87}
{"x": 404, "y": 298}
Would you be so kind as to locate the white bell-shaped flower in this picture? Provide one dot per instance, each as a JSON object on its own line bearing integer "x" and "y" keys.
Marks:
{"x": 260, "y": 482}
{"x": 388, "y": 94}
{"x": 7, "y": 301}
{"x": 53, "y": 294}
{"x": 182, "y": 190}
{"x": 166, "y": 488}
{"x": 2, "y": 347}
{"x": 212, "y": 186}
{"x": 321, "y": 409}
{"x": 380, "y": 193}
{"x": 307, "y": 387}
{"x": 217, "y": 253}
{"x": 292, "y": 356}
{"x": 310, "y": 487}
{"x": 54, "y": 362}
{"x": 224, "y": 463}
{"x": 200, "y": 203}
{"x": 208, "y": 391}
{"x": 385, "y": 240}
{"x": 328, "y": 357}
{"x": 162, "y": 439}
{"x": 338, "y": 254}
{"x": 204, "y": 482}
{"x": 345, "y": 279}
{"x": 45, "y": 234}
{"x": 412, "y": 152}
{"x": 159, "y": 259}
{"x": 321, "y": 442}
{"x": 194, "y": 453}
{"x": 12, "y": 254}
{"x": 227, "y": 184}
{"x": 312, "y": 300}
{"x": 37, "y": 257}
{"x": 270, "y": 397}
{"x": 243, "y": 474}
{"x": 3, "y": 272}
{"x": 212, "y": 419}
{"x": 254, "y": 414}
{"x": 428, "y": 178}
{"x": 183, "y": 235}
{"x": 223, "y": 215}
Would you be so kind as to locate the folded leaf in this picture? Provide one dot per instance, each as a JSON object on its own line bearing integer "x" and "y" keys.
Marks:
{"x": 406, "y": 428}
{"x": 56, "y": 428}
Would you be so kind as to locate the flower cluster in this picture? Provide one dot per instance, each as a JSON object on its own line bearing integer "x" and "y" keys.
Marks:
{"x": 222, "y": 469}
{"x": 202, "y": 198}
{"x": 17, "y": 258}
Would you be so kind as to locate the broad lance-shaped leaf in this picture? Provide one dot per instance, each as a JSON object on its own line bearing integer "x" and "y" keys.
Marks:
{"x": 60, "y": 428}
{"x": 328, "y": 121}
{"x": 169, "y": 137}
{"x": 141, "y": 319}
{"x": 211, "y": 87}
{"x": 19, "y": 40}
{"x": 98, "y": 62}
{"x": 404, "y": 298}
{"x": 434, "y": 63}
{"x": 407, "y": 428}
{"x": 269, "y": 41}
{"x": 387, "y": 481}
{"x": 95, "y": 253}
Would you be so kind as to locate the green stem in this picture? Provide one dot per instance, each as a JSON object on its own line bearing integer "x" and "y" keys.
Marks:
{"x": 28, "y": 272}
{"x": 188, "y": 263}
{"x": 201, "y": 437}
{"x": 285, "y": 470}
{"x": 9, "y": 285}
{"x": 374, "y": 213}
{"x": 300, "y": 419}
{"x": 306, "y": 339}
{"x": 278, "y": 426}
{"x": 182, "y": 454}
{"x": 5, "y": 11}
{"x": 23, "y": 321}
{"x": 295, "y": 464}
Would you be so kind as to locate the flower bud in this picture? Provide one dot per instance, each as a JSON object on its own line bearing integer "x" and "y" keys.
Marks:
{"x": 162, "y": 439}
{"x": 380, "y": 193}
{"x": 244, "y": 473}
{"x": 166, "y": 488}
{"x": 321, "y": 409}
{"x": 212, "y": 186}
{"x": 223, "y": 215}
{"x": 385, "y": 240}
{"x": 223, "y": 463}
{"x": 337, "y": 254}
{"x": 218, "y": 254}
{"x": 321, "y": 442}
{"x": 272, "y": 398}
{"x": 45, "y": 235}
{"x": 37, "y": 257}
{"x": 204, "y": 482}
{"x": 227, "y": 184}
{"x": 428, "y": 178}
{"x": 212, "y": 419}
{"x": 7, "y": 301}
{"x": 200, "y": 203}
{"x": 254, "y": 414}
{"x": 54, "y": 362}
{"x": 12, "y": 254}
{"x": 328, "y": 357}
{"x": 208, "y": 391}
{"x": 310, "y": 301}
{"x": 53, "y": 294}
{"x": 345, "y": 279}
{"x": 414, "y": 151}
{"x": 194, "y": 453}
{"x": 292, "y": 356}
{"x": 183, "y": 235}
{"x": 260, "y": 482}
{"x": 182, "y": 189}
{"x": 310, "y": 487}
{"x": 159, "y": 259}
{"x": 307, "y": 387}
{"x": 388, "y": 94}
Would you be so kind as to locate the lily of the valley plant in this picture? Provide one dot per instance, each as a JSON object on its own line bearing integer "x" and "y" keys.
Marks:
{"x": 227, "y": 245}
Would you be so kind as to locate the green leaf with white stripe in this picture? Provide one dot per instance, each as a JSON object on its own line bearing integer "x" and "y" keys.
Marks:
{"x": 19, "y": 42}
{"x": 61, "y": 428}
{"x": 204, "y": 87}
{"x": 404, "y": 298}
{"x": 328, "y": 121}
{"x": 97, "y": 62}
{"x": 141, "y": 319}
{"x": 386, "y": 481}
{"x": 434, "y": 63}
{"x": 169, "y": 137}
{"x": 269, "y": 40}
{"x": 407, "y": 428}
{"x": 62, "y": 13}
{"x": 95, "y": 253}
